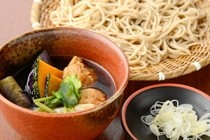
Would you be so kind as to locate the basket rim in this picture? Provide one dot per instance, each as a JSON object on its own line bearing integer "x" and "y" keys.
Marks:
{"x": 160, "y": 75}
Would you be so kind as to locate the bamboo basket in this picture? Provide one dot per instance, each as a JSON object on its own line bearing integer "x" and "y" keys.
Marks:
{"x": 166, "y": 69}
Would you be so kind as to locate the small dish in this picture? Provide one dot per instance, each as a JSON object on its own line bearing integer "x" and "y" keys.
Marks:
{"x": 139, "y": 103}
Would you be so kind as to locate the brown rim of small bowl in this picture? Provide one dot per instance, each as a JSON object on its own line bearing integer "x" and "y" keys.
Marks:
{"x": 100, "y": 106}
{"x": 128, "y": 100}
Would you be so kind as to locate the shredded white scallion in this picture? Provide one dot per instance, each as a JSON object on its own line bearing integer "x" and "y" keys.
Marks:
{"x": 174, "y": 121}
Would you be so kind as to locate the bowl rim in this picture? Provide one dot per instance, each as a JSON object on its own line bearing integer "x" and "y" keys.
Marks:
{"x": 129, "y": 99}
{"x": 97, "y": 36}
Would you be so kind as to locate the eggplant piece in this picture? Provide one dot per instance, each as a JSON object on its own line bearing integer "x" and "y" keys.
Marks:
{"x": 10, "y": 89}
{"x": 31, "y": 86}
{"x": 45, "y": 57}
{"x": 22, "y": 74}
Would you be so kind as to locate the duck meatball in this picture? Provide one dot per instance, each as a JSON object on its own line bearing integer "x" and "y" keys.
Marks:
{"x": 91, "y": 96}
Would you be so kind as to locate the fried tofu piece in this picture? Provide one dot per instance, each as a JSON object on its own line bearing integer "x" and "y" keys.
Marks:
{"x": 85, "y": 74}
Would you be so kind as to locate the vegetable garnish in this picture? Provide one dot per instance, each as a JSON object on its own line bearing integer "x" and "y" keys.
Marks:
{"x": 175, "y": 121}
{"x": 68, "y": 96}
{"x": 69, "y": 90}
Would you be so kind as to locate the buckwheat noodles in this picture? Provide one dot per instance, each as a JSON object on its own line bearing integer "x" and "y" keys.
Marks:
{"x": 148, "y": 31}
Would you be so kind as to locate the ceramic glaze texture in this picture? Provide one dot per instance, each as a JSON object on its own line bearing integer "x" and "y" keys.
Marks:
{"x": 63, "y": 42}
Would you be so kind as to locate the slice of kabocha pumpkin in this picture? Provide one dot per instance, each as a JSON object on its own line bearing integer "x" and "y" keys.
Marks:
{"x": 35, "y": 85}
{"x": 52, "y": 83}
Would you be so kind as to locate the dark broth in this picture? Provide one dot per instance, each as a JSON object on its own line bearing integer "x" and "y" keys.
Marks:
{"x": 104, "y": 81}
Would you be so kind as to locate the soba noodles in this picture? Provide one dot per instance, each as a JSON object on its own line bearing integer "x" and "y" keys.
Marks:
{"x": 147, "y": 31}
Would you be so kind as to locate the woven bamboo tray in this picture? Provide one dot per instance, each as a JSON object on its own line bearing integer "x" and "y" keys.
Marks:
{"x": 166, "y": 69}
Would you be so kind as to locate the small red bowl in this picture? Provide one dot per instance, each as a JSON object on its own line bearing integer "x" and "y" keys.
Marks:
{"x": 139, "y": 103}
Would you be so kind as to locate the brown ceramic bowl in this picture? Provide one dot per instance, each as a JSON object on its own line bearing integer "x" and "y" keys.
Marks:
{"x": 63, "y": 41}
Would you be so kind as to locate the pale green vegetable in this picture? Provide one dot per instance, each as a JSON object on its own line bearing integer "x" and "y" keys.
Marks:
{"x": 67, "y": 96}
{"x": 69, "y": 90}
{"x": 175, "y": 121}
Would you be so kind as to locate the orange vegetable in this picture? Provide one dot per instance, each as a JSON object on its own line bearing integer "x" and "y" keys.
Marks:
{"x": 43, "y": 70}
{"x": 52, "y": 83}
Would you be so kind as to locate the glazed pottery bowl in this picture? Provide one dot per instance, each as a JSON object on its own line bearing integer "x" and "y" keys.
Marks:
{"x": 139, "y": 103}
{"x": 63, "y": 41}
